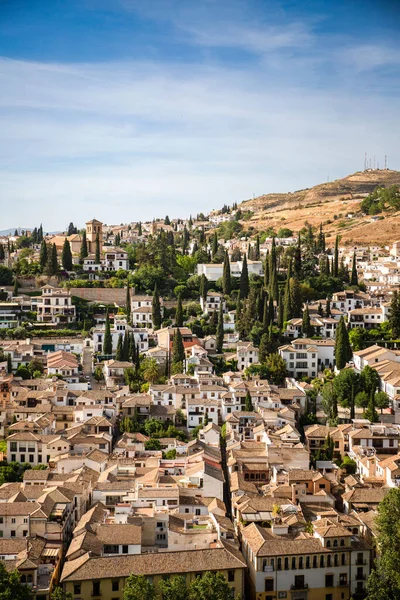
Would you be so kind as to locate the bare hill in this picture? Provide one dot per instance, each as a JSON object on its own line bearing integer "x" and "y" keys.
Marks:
{"x": 335, "y": 204}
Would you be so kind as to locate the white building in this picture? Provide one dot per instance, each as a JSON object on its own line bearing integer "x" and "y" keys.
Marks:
{"x": 215, "y": 271}
{"x": 55, "y": 306}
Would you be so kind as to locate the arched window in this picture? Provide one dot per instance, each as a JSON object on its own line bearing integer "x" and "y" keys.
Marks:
{"x": 279, "y": 564}
{"x": 307, "y": 562}
{"x": 301, "y": 563}
{"x": 342, "y": 542}
{"x": 273, "y": 564}
{"x": 293, "y": 562}
{"x": 315, "y": 561}
{"x": 329, "y": 561}
{"x": 286, "y": 563}
{"x": 343, "y": 559}
{"x": 30, "y": 578}
{"x": 328, "y": 543}
{"x": 335, "y": 543}
{"x": 322, "y": 561}
{"x": 23, "y": 578}
{"x": 336, "y": 560}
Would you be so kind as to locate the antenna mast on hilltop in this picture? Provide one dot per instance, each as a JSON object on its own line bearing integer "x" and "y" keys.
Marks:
{"x": 365, "y": 162}
{"x": 385, "y": 162}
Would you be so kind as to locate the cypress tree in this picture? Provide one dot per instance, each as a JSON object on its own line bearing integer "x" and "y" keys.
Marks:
{"x": 266, "y": 271}
{"x": 287, "y": 303}
{"x": 84, "y": 249}
{"x": 280, "y": 311}
{"x": 320, "y": 310}
{"x": 343, "y": 351}
{"x": 139, "y": 227}
{"x": 354, "y": 274}
{"x": 394, "y": 319}
{"x": 203, "y": 286}
{"x": 321, "y": 240}
{"x": 52, "y": 262}
{"x": 271, "y": 310}
{"x": 107, "y": 343}
{"x": 128, "y": 302}
{"x": 244, "y": 279}
{"x": 156, "y": 309}
{"x": 43, "y": 255}
{"x": 119, "y": 352}
{"x": 257, "y": 251}
{"x": 248, "y": 403}
{"x": 220, "y": 330}
{"x": 328, "y": 308}
{"x": 352, "y": 403}
{"x": 16, "y": 286}
{"x": 9, "y": 363}
{"x": 178, "y": 350}
{"x": 295, "y": 297}
{"x": 97, "y": 254}
{"x": 179, "y": 313}
{"x": 66, "y": 257}
{"x": 335, "y": 271}
{"x": 306, "y": 325}
{"x": 265, "y": 320}
{"x": 214, "y": 248}
{"x": 131, "y": 349}
{"x": 273, "y": 278}
{"x": 226, "y": 276}
{"x": 297, "y": 258}
{"x": 263, "y": 349}
{"x": 125, "y": 347}
{"x": 2, "y": 253}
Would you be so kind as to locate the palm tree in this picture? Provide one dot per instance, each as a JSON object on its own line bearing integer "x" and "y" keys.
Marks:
{"x": 150, "y": 372}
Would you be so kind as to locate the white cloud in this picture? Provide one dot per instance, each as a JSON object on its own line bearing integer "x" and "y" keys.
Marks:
{"x": 135, "y": 140}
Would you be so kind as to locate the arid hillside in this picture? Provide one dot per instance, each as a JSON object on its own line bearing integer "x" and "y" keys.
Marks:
{"x": 335, "y": 204}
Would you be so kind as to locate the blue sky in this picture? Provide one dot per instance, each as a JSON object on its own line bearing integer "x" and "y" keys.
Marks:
{"x": 129, "y": 109}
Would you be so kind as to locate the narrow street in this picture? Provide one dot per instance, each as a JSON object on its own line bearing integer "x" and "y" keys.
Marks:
{"x": 87, "y": 356}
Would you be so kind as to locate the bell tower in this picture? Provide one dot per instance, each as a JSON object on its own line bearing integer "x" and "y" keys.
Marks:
{"x": 94, "y": 228}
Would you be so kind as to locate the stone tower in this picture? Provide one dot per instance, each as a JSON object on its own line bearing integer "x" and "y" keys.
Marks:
{"x": 93, "y": 228}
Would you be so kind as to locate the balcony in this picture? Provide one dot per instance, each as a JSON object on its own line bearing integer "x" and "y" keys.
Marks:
{"x": 360, "y": 576}
{"x": 361, "y": 561}
{"x": 299, "y": 586}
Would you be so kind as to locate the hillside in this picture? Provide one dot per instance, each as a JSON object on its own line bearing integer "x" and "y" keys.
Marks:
{"x": 330, "y": 203}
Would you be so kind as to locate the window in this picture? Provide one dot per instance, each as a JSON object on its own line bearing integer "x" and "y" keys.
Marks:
{"x": 343, "y": 559}
{"x": 301, "y": 566}
{"x": 328, "y": 596}
{"x": 13, "y": 520}
{"x": 343, "y": 579}
{"x": 125, "y": 549}
{"x": 328, "y": 580}
{"x": 231, "y": 575}
{"x": 269, "y": 585}
{"x": 293, "y": 562}
{"x": 279, "y": 564}
{"x": 299, "y": 582}
{"x": 25, "y": 533}
{"x": 307, "y": 562}
{"x": 322, "y": 561}
{"x": 12, "y": 533}
{"x": 115, "y": 585}
{"x": 286, "y": 563}
{"x": 96, "y": 588}
{"x": 77, "y": 588}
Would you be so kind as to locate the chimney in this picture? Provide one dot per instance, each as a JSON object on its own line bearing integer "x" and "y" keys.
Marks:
{"x": 294, "y": 499}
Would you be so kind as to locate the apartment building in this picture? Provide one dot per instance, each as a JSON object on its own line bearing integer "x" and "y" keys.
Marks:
{"x": 55, "y": 306}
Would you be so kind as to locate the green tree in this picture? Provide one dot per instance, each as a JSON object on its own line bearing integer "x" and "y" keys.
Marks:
{"x": 173, "y": 588}
{"x": 336, "y": 258}
{"x": 178, "y": 350}
{"x": 219, "y": 336}
{"x": 128, "y": 302}
{"x": 43, "y": 255}
{"x": 52, "y": 261}
{"x": 306, "y": 326}
{"x": 264, "y": 348}
{"x": 226, "y": 276}
{"x": 118, "y": 355}
{"x": 58, "y": 593}
{"x": 179, "y": 313}
{"x": 211, "y": 586}
{"x": 382, "y": 401}
{"x": 84, "y": 248}
{"x": 203, "y": 287}
{"x": 384, "y": 581}
{"x": 107, "y": 342}
{"x": 394, "y": 318}
{"x": 66, "y": 256}
{"x": 354, "y": 274}
{"x": 343, "y": 351}
{"x": 248, "y": 403}
{"x": 244, "y": 279}
{"x": 150, "y": 370}
{"x": 98, "y": 373}
{"x": 276, "y": 368}
{"x": 11, "y": 587}
{"x": 138, "y": 587}
{"x": 16, "y": 287}
{"x": 295, "y": 297}
{"x": 156, "y": 309}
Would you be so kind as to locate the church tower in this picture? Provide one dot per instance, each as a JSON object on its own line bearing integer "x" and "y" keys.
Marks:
{"x": 93, "y": 228}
